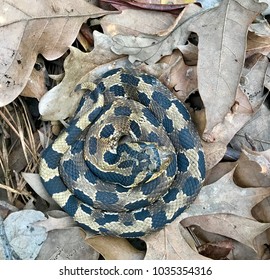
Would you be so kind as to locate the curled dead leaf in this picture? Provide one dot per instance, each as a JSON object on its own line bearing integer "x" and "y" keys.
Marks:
{"x": 171, "y": 243}
{"x": 31, "y": 31}
{"x": 224, "y": 196}
{"x": 241, "y": 229}
{"x": 253, "y": 169}
{"x": 219, "y": 73}
{"x": 126, "y": 23}
{"x": 150, "y": 48}
{"x": 77, "y": 65}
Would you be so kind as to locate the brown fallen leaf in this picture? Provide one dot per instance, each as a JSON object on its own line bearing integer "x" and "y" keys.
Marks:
{"x": 239, "y": 250}
{"x": 172, "y": 71}
{"x": 253, "y": 169}
{"x": 183, "y": 78}
{"x": 261, "y": 211}
{"x": 77, "y": 65}
{"x": 170, "y": 244}
{"x": 257, "y": 44}
{"x": 224, "y": 196}
{"x": 65, "y": 240}
{"x": 256, "y": 129}
{"x": 190, "y": 54}
{"x": 216, "y": 251}
{"x": 85, "y": 37}
{"x": 218, "y": 171}
{"x": 44, "y": 27}
{"x": 57, "y": 219}
{"x": 241, "y": 229}
{"x": 261, "y": 26}
{"x": 150, "y": 48}
{"x": 262, "y": 242}
{"x": 66, "y": 244}
{"x": 126, "y": 23}
{"x": 221, "y": 55}
{"x": 249, "y": 97}
{"x": 149, "y": 5}
{"x": 36, "y": 85}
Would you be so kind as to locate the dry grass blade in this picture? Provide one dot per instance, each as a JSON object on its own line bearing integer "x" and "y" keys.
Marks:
{"x": 16, "y": 126}
{"x": 18, "y": 150}
{"x": 9, "y": 189}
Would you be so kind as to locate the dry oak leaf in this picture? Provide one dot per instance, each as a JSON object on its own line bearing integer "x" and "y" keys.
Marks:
{"x": 257, "y": 44}
{"x": 261, "y": 26}
{"x": 218, "y": 171}
{"x": 127, "y": 22}
{"x": 150, "y": 48}
{"x": 172, "y": 71}
{"x": 262, "y": 159}
{"x": 77, "y": 67}
{"x": 64, "y": 240}
{"x": 56, "y": 220}
{"x": 249, "y": 97}
{"x": 222, "y": 35}
{"x": 171, "y": 243}
{"x": 36, "y": 85}
{"x": 43, "y": 27}
{"x": 253, "y": 169}
{"x": 216, "y": 250}
{"x": 226, "y": 209}
{"x": 257, "y": 128}
{"x": 224, "y": 196}
{"x": 66, "y": 244}
{"x": 182, "y": 79}
{"x": 241, "y": 229}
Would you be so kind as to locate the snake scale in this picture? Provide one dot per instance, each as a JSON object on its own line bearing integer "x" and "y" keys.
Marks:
{"x": 130, "y": 160}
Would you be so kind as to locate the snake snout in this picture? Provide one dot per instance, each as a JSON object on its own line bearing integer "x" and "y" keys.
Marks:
{"x": 159, "y": 158}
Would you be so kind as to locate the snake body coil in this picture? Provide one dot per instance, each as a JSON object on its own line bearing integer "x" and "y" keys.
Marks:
{"x": 130, "y": 160}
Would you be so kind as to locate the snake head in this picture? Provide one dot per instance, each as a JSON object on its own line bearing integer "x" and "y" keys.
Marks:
{"x": 150, "y": 160}
{"x": 160, "y": 158}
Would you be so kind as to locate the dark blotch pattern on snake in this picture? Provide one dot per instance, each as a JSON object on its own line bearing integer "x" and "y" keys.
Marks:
{"x": 130, "y": 160}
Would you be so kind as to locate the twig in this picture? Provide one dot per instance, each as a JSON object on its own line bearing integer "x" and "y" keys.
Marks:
{"x": 7, "y": 250}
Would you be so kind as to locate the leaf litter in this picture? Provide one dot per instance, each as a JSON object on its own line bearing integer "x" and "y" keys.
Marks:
{"x": 213, "y": 56}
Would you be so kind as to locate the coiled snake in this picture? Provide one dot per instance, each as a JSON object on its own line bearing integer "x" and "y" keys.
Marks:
{"x": 130, "y": 160}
